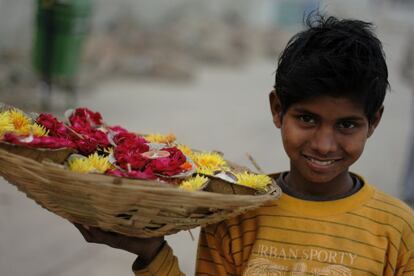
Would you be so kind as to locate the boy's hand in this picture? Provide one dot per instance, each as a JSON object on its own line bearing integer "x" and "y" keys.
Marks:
{"x": 146, "y": 248}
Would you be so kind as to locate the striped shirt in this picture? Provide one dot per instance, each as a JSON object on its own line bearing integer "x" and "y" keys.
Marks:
{"x": 366, "y": 233}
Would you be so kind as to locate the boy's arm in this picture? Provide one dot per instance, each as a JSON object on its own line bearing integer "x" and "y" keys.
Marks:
{"x": 154, "y": 255}
{"x": 213, "y": 256}
{"x": 165, "y": 263}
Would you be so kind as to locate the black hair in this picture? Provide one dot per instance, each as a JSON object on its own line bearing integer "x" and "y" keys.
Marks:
{"x": 338, "y": 58}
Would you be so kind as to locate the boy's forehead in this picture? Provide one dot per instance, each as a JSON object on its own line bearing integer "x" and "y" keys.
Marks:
{"x": 341, "y": 106}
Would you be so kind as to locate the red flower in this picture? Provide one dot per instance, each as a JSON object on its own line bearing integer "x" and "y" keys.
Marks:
{"x": 128, "y": 137}
{"x": 146, "y": 174}
{"x": 170, "y": 165}
{"x": 48, "y": 142}
{"x": 86, "y": 146}
{"x": 116, "y": 172}
{"x": 86, "y": 115}
{"x": 55, "y": 127}
{"x": 128, "y": 155}
{"x": 118, "y": 129}
{"x": 80, "y": 125}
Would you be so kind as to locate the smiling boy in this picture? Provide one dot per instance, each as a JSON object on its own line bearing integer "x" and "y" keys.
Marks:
{"x": 327, "y": 101}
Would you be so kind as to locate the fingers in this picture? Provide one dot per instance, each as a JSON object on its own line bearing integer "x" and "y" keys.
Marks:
{"x": 84, "y": 230}
{"x": 96, "y": 235}
{"x": 139, "y": 246}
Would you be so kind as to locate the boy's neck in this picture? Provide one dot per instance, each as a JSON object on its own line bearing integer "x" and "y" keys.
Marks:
{"x": 340, "y": 185}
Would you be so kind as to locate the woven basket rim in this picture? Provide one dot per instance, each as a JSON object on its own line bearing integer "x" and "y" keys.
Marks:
{"x": 137, "y": 184}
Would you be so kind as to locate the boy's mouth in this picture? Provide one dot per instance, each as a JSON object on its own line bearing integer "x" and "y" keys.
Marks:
{"x": 320, "y": 162}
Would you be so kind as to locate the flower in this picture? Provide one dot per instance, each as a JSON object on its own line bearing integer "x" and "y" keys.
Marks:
{"x": 187, "y": 166}
{"x": 54, "y": 126}
{"x": 100, "y": 163}
{"x": 81, "y": 165}
{"x": 128, "y": 154}
{"x": 194, "y": 183}
{"x": 186, "y": 150}
{"x": 6, "y": 125}
{"x": 116, "y": 172}
{"x": 205, "y": 171}
{"x": 128, "y": 137}
{"x": 210, "y": 161}
{"x": 255, "y": 181}
{"x": 117, "y": 129}
{"x": 170, "y": 165}
{"x": 147, "y": 174}
{"x": 86, "y": 116}
{"x": 92, "y": 163}
{"x": 159, "y": 138}
{"x": 48, "y": 142}
{"x": 107, "y": 150}
{"x": 20, "y": 121}
{"x": 38, "y": 130}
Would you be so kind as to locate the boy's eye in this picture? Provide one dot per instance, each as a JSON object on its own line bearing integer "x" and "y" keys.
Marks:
{"x": 307, "y": 119}
{"x": 346, "y": 125}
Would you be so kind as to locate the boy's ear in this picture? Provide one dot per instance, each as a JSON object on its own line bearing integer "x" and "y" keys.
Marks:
{"x": 276, "y": 108}
{"x": 375, "y": 121}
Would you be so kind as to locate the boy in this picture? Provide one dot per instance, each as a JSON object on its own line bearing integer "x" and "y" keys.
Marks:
{"x": 330, "y": 85}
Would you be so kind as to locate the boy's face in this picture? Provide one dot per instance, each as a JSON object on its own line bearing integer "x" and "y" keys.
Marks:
{"x": 323, "y": 136}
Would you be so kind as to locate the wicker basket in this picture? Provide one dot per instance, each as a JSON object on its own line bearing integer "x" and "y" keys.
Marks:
{"x": 55, "y": 155}
{"x": 127, "y": 206}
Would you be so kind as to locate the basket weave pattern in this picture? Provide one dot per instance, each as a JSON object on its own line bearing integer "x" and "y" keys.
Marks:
{"x": 127, "y": 206}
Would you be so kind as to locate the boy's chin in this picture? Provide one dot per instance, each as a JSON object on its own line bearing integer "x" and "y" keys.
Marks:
{"x": 325, "y": 178}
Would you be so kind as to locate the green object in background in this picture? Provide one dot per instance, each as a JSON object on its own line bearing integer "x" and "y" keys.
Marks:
{"x": 61, "y": 27}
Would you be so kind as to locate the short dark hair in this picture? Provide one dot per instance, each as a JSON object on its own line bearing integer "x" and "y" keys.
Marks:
{"x": 339, "y": 58}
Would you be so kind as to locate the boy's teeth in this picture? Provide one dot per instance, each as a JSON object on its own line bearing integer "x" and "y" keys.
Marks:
{"x": 321, "y": 163}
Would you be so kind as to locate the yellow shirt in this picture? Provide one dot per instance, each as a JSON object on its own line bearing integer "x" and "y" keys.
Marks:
{"x": 367, "y": 233}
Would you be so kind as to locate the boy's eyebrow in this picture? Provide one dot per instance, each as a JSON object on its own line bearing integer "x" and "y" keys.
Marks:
{"x": 347, "y": 118}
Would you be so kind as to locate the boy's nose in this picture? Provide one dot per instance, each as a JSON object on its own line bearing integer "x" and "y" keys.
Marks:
{"x": 323, "y": 141}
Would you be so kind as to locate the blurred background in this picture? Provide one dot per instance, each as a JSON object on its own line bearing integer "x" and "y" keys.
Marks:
{"x": 199, "y": 69}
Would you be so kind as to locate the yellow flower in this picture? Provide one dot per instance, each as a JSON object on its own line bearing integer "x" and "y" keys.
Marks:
{"x": 255, "y": 181}
{"x": 186, "y": 150}
{"x": 159, "y": 138}
{"x": 6, "y": 125}
{"x": 206, "y": 171}
{"x": 194, "y": 183}
{"x": 99, "y": 163}
{"x": 39, "y": 130}
{"x": 209, "y": 161}
{"x": 81, "y": 165}
{"x": 108, "y": 150}
{"x": 20, "y": 121}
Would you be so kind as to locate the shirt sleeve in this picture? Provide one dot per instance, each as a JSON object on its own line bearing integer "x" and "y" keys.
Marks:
{"x": 213, "y": 255}
{"x": 164, "y": 264}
